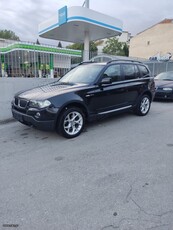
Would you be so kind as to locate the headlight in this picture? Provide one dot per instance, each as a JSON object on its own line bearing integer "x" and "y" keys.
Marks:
{"x": 39, "y": 104}
{"x": 167, "y": 89}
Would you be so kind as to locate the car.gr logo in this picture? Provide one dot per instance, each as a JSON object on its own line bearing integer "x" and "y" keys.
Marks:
{"x": 159, "y": 57}
{"x": 62, "y": 15}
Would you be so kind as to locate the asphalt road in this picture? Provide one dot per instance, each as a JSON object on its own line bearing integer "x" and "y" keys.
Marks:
{"x": 118, "y": 174}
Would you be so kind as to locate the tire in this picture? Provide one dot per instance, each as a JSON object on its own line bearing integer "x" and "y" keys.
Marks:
{"x": 143, "y": 106}
{"x": 71, "y": 122}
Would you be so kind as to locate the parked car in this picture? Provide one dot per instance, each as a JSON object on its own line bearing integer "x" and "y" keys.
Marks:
{"x": 164, "y": 86}
{"x": 87, "y": 92}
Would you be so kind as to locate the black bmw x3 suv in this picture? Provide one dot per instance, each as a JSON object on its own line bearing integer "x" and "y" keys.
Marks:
{"x": 86, "y": 92}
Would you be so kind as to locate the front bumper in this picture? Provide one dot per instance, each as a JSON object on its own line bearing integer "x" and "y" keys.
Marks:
{"x": 163, "y": 94}
{"x": 44, "y": 122}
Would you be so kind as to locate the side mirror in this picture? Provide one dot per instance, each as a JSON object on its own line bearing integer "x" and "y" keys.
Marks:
{"x": 106, "y": 81}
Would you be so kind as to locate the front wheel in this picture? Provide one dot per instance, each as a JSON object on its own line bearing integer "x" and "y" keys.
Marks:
{"x": 143, "y": 105}
{"x": 71, "y": 122}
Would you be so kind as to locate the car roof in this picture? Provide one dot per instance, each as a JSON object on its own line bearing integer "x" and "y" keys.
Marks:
{"x": 113, "y": 61}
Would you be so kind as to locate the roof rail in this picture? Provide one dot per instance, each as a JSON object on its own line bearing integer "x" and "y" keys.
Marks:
{"x": 81, "y": 63}
{"x": 128, "y": 60}
{"x": 85, "y": 62}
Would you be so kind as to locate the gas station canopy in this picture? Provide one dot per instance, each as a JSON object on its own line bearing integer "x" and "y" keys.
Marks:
{"x": 73, "y": 23}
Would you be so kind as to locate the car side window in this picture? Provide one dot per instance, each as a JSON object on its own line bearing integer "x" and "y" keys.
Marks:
{"x": 144, "y": 71}
{"x": 138, "y": 75}
{"x": 129, "y": 71}
{"x": 114, "y": 72}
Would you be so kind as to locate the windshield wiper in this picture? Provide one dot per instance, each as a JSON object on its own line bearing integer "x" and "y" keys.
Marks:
{"x": 66, "y": 83}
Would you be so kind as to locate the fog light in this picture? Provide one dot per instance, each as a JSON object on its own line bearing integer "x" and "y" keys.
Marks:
{"x": 37, "y": 115}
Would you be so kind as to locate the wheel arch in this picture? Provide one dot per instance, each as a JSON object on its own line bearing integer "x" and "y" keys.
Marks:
{"x": 147, "y": 93}
{"x": 72, "y": 104}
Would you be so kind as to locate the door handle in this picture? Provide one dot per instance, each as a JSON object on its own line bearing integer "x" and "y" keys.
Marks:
{"x": 89, "y": 95}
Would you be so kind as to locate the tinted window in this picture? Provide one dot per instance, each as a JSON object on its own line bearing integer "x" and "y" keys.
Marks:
{"x": 144, "y": 71}
{"x": 114, "y": 72}
{"x": 129, "y": 71}
{"x": 137, "y": 72}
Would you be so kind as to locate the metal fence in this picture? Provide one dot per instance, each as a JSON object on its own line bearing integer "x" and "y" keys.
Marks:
{"x": 155, "y": 67}
{"x": 30, "y": 59}
{"x": 159, "y": 67}
{"x": 21, "y": 59}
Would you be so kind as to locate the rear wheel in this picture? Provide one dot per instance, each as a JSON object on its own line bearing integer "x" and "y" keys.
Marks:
{"x": 143, "y": 105}
{"x": 71, "y": 122}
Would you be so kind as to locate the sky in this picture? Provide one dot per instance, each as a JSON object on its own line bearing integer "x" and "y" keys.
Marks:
{"x": 23, "y": 17}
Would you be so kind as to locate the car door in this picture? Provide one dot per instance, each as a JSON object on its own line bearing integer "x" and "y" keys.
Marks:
{"x": 133, "y": 84}
{"x": 108, "y": 97}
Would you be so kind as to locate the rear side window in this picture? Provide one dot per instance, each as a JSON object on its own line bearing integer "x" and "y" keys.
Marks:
{"x": 138, "y": 75}
{"x": 129, "y": 71}
{"x": 144, "y": 71}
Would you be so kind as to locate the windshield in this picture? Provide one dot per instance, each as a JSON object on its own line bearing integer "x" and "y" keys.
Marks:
{"x": 82, "y": 74}
{"x": 167, "y": 76}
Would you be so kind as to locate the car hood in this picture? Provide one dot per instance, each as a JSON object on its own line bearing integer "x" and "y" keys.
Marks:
{"x": 161, "y": 83}
{"x": 49, "y": 90}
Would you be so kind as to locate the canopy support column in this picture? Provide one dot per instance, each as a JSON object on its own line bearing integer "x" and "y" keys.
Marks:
{"x": 86, "y": 39}
{"x": 86, "y": 46}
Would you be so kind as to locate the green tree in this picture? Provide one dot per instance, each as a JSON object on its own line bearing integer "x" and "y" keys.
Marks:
{"x": 114, "y": 47}
{"x": 37, "y": 42}
{"x": 93, "y": 47}
{"x": 126, "y": 50}
{"x": 76, "y": 46}
{"x": 59, "y": 45}
{"x": 8, "y": 34}
{"x": 80, "y": 46}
